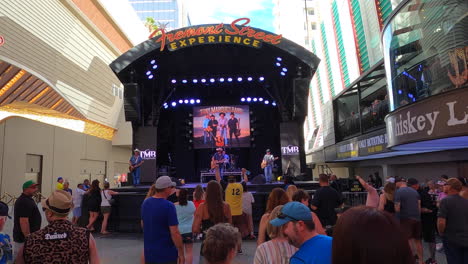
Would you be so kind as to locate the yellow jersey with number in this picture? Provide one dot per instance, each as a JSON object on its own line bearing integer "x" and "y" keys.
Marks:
{"x": 234, "y": 198}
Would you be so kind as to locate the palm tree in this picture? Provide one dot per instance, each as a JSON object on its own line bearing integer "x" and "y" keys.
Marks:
{"x": 151, "y": 24}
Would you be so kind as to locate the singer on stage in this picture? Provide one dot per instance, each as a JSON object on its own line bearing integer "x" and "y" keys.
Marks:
{"x": 217, "y": 163}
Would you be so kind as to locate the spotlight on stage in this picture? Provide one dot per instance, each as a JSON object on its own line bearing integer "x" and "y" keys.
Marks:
{"x": 239, "y": 79}
{"x": 285, "y": 69}
{"x": 273, "y": 104}
{"x": 153, "y": 61}
{"x": 186, "y": 101}
{"x": 279, "y": 59}
{"x": 195, "y": 81}
{"x": 249, "y": 99}
{"x": 165, "y": 105}
{"x": 278, "y": 64}
{"x": 229, "y": 79}
{"x": 261, "y": 78}
{"x": 150, "y": 77}
{"x": 173, "y": 104}
{"x": 148, "y": 73}
{"x": 203, "y": 80}
{"x": 173, "y": 81}
{"x": 192, "y": 101}
{"x": 197, "y": 101}
{"x": 155, "y": 66}
{"x": 212, "y": 80}
{"x": 283, "y": 74}
{"x": 260, "y": 99}
{"x": 221, "y": 79}
{"x": 181, "y": 101}
{"x": 249, "y": 79}
{"x": 255, "y": 99}
{"x": 242, "y": 99}
{"x": 267, "y": 102}
{"x": 184, "y": 81}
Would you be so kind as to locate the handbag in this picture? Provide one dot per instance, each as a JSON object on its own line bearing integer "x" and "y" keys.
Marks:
{"x": 111, "y": 200}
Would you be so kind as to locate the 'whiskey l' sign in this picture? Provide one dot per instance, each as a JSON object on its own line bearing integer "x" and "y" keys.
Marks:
{"x": 440, "y": 116}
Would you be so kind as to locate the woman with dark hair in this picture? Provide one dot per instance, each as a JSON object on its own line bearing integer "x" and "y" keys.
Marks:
{"x": 94, "y": 203}
{"x": 213, "y": 211}
{"x": 386, "y": 198}
{"x": 185, "y": 210}
{"x": 303, "y": 197}
{"x": 277, "y": 197}
{"x": 198, "y": 196}
{"x": 366, "y": 235}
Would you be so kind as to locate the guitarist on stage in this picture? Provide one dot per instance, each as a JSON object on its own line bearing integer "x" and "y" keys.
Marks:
{"x": 217, "y": 163}
{"x": 267, "y": 164}
{"x": 135, "y": 163}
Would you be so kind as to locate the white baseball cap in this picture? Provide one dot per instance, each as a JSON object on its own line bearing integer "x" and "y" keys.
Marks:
{"x": 164, "y": 182}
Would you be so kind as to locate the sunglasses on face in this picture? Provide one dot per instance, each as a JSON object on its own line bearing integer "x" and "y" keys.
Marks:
{"x": 283, "y": 216}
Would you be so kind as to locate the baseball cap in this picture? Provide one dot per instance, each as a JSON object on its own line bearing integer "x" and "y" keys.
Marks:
{"x": 4, "y": 209}
{"x": 136, "y": 150}
{"x": 59, "y": 202}
{"x": 412, "y": 181}
{"x": 219, "y": 149}
{"x": 268, "y": 150}
{"x": 59, "y": 178}
{"x": 164, "y": 182}
{"x": 292, "y": 211}
{"x": 29, "y": 184}
{"x": 391, "y": 179}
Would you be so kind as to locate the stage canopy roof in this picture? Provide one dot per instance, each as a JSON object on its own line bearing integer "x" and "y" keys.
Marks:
{"x": 219, "y": 64}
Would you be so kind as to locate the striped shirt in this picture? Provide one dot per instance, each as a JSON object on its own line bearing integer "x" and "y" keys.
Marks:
{"x": 274, "y": 251}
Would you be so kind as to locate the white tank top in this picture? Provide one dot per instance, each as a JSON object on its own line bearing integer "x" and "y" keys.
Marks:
{"x": 105, "y": 198}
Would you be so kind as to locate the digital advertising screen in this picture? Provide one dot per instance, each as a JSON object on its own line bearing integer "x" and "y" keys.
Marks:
{"x": 221, "y": 126}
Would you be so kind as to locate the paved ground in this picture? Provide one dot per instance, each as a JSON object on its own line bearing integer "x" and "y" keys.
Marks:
{"x": 126, "y": 248}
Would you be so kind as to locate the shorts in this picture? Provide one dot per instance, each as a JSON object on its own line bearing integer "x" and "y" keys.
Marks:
{"x": 105, "y": 209}
{"x": 237, "y": 221}
{"x": 187, "y": 238}
{"x": 77, "y": 212}
{"x": 429, "y": 230}
{"x": 411, "y": 228}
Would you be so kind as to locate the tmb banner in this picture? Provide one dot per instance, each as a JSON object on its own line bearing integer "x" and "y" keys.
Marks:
{"x": 144, "y": 139}
{"x": 290, "y": 159}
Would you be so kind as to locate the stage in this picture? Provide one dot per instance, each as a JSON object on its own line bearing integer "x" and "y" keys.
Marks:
{"x": 125, "y": 216}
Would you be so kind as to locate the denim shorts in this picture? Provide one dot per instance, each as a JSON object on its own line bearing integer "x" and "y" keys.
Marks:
{"x": 77, "y": 212}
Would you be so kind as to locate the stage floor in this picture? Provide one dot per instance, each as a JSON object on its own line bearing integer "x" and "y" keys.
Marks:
{"x": 267, "y": 187}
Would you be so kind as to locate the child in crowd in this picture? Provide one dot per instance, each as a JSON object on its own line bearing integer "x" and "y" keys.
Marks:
{"x": 6, "y": 252}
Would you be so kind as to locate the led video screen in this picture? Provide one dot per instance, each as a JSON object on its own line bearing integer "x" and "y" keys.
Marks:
{"x": 221, "y": 126}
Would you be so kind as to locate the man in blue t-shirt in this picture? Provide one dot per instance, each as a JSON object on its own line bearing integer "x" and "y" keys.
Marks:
{"x": 300, "y": 231}
{"x": 162, "y": 239}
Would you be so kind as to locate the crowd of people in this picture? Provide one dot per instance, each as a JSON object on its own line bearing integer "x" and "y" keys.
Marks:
{"x": 296, "y": 227}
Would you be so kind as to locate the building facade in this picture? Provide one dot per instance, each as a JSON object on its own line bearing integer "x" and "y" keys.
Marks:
{"x": 383, "y": 61}
{"x": 61, "y": 105}
{"x": 167, "y": 14}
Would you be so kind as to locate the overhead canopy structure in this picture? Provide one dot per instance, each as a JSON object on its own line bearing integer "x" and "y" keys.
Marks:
{"x": 218, "y": 64}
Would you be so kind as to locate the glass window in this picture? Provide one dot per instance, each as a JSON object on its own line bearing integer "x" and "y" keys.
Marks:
{"x": 426, "y": 50}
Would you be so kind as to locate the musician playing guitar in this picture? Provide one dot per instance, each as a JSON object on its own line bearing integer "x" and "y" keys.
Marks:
{"x": 135, "y": 163}
{"x": 267, "y": 164}
{"x": 217, "y": 163}
{"x": 212, "y": 127}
